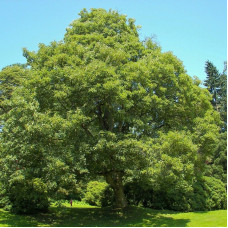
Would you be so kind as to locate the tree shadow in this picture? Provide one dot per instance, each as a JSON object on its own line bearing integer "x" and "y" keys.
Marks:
{"x": 8, "y": 219}
{"x": 95, "y": 217}
{"x": 100, "y": 217}
{"x": 201, "y": 212}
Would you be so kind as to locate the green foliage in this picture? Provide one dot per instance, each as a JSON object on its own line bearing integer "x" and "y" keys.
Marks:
{"x": 11, "y": 77}
{"x": 27, "y": 152}
{"x": 209, "y": 194}
{"x": 173, "y": 180}
{"x": 102, "y": 102}
{"x": 223, "y": 96}
{"x": 206, "y": 193}
{"x": 217, "y": 86}
{"x": 212, "y": 81}
{"x": 28, "y": 196}
{"x": 98, "y": 193}
{"x": 217, "y": 165}
{"x": 174, "y": 198}
{"x": 4, "y": 200}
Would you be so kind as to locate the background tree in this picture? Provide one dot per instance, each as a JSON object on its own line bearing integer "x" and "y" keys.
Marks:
{"x": 217, "y": 85}
{"x": 94, "y": 101}
{"x": 212, "y": 82}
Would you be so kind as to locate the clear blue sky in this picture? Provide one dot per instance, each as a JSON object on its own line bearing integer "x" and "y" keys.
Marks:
{"x": 194, "y": 30}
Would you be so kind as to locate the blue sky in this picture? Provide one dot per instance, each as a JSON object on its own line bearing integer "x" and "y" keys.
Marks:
{"x": 194, "y": 30}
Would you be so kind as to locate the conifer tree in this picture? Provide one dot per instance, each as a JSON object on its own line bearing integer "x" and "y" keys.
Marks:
{"x": 212, "y": 82}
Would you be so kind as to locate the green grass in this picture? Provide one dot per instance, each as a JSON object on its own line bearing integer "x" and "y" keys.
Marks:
{"x": 84, "y": 215}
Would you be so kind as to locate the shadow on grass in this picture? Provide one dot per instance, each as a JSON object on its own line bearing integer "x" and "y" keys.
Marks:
{"x": 95, "y": 217}
{"x": 201, "y": 212}
{"x": 91, "y": 217}
{"x": 8, "y": 219}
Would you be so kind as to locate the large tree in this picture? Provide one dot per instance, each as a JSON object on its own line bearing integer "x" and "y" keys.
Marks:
{"x": 93, "y": 102}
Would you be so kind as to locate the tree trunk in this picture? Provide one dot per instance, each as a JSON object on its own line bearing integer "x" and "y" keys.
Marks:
{"x": 114, "y": 179}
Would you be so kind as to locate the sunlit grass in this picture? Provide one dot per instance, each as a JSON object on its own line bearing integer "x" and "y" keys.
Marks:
{"x": 81, "y": 214}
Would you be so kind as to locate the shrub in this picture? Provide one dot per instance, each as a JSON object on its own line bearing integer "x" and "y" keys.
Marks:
{"x": 138, "y": 194}
{"x": 209, "y": 194}
{"x": 172, "y": 198}
{"x": 98, "y": 194}
{"x": 171, "y": 182}
{"x": 28, "y": 196}
{"x": 4, "y": 200}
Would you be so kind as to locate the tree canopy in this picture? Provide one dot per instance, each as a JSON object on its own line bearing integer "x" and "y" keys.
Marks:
{"x": 100, "y": 102}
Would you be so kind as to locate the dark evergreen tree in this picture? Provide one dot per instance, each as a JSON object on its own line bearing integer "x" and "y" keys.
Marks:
{"x": 212, "y": 82}
{"x": 217, "y": 85}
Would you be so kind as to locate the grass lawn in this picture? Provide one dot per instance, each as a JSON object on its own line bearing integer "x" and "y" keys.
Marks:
{"x": 85, "y": 215}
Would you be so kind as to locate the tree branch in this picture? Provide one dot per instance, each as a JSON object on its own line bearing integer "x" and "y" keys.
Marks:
{"x": 88, "y": 132}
